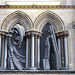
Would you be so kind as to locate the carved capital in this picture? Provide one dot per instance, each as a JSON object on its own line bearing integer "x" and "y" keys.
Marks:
{"x": 32, "y": 32}
{"x": 62, "y": 33}
{"x": 3, "y": 33}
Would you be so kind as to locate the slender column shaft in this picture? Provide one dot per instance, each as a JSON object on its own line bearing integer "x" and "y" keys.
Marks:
{"x": 66, "y": 52}
{"x": 59, "y": 47}
{"x": 32, "y": 51}
{"x": 38, "y": 46}
{"x": 36, "y": 52}
{"x": 2, "y": 52}
{"x": 5, "y": 55}
{"x": 27, "y": 53}
{"x": 62, "y": 53}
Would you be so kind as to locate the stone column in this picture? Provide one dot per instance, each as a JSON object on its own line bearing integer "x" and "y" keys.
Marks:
{"x": 63, "y": 49}
{"x": 27, "y": 42}
{"x": 3, "y": 50}
{"x": 38, "y": 47}
{"x": 66, "y": 52}
{"x": 59, "y": 52}
{"x": 33, "y": 50}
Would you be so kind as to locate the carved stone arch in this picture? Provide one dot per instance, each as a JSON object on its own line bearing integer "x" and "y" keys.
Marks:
{"x": 49, "y": 21}
{"x": 51, "y": 18}
{"x": 17, "y": 17}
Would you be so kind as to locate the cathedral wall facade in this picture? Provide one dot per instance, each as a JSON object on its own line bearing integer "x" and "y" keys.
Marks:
{"x": 62, "y": 2}
{"x": 35, "y": 20}
{"x": 67, "y": 16}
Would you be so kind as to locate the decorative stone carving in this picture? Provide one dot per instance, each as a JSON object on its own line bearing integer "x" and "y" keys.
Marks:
{"x": 46, "y": 60}
{"x": 51, "y": 18}
{"x": 17, "y": 33}
{"x": 54, "y": 43}
{"x": 17, "y": 17}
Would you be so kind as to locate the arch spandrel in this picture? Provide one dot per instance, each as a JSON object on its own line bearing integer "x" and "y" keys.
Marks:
{"x": 17, "y": 17}
{"x": 51, "y": 18}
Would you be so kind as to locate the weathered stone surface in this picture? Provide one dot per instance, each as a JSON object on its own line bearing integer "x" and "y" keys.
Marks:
{"x": 67, "y": 15}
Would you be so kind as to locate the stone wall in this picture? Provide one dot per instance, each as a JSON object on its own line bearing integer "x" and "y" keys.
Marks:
{"x": 62, "y": 2}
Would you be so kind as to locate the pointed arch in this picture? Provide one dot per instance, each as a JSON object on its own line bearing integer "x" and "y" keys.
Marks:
{"x": 17, "y": 17}
{"x": 51, "y": 18}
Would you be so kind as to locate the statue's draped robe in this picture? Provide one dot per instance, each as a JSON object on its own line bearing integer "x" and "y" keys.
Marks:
{"x": 46, "y": 59}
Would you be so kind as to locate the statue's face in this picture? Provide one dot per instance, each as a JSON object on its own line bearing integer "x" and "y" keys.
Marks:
{"x": 15, "y": 37}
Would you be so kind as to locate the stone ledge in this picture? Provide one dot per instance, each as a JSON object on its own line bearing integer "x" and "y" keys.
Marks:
{"x": 37, "y": 71}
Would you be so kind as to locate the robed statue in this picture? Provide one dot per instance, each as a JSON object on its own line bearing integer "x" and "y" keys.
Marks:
{"x": 47, "y": 57}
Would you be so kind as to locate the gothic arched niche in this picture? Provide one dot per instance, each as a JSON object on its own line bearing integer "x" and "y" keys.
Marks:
{"x": 42, "y": 23}
{"x": 16, "y": 24}
{"x": 17, "y": 17}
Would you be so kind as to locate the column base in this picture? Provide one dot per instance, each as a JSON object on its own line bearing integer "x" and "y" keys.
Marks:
{"x": 32, "y": 68}
{"x": 1, "y": 68}
{"x": 65, "y": 68}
